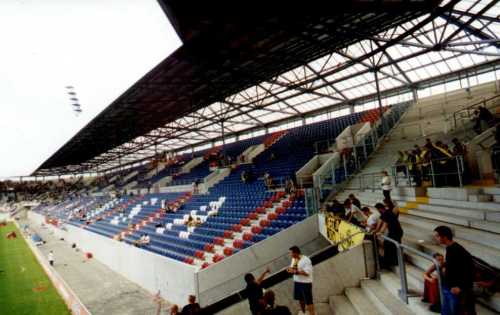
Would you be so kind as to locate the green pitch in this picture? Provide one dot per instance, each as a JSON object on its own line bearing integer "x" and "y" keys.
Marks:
{"x": 24, "y": 286}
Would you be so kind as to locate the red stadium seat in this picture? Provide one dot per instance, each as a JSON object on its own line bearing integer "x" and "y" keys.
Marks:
{"x": 245, "y": 222}
{"x": 247, "y": 236}
{"x": 238, "y": 244}
{"x": 219, "y": 241}
{"x": 199, "y": 254}
{"x": 228, "y": 251}
{"x": 272, "y": 216}
{"x": 228, "y": 234}
{"x": 256, "y": 230}
{"x": 209, "y": 247}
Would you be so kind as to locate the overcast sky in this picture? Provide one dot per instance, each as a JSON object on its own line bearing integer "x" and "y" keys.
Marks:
{"x": 101, "y": 47}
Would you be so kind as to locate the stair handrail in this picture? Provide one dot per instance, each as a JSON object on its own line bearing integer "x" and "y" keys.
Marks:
{"x": 403, "y": 293}
{"x": 470, "y": 108}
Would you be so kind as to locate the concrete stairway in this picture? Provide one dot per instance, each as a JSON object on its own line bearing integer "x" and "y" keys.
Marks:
{"x": 430, "y": 117}
{"x": 476, "y": 225}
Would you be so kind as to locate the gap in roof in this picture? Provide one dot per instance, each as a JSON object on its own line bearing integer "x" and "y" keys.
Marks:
{"x": 101, "y": 47}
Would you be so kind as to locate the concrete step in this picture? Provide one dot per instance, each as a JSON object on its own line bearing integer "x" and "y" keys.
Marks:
{"x": 340, "y": 305}
{"x": 361, "y": 303}
{"x": 493, "y": 227}
{"x": 392, "y": 283}
{"x": 420, "y": 239}
{"x": 383, "y": 299}
{"x": 439, "y": 217}
{"x": 471, "y": 213}
{"x": 480, "y": 237}
{"x": 416, "y": 280}
{"x": 489, "y": 206}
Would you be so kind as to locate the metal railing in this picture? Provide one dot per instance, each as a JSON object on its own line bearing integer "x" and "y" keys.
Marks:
{"x": 428, "y": 171}
{"x": 466, "y": 113}
{"x": 348, "y": 166}
{"x": 400, "y": 249}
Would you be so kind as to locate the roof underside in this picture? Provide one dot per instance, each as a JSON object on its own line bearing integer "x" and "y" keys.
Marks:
{"x": 273, "y": 67}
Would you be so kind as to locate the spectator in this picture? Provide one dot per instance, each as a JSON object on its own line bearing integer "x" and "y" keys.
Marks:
{"x": 431, "y": 288}
{"x": 483, "y": 119}
{"x": 495, "y": 154}
{"x": 268, "y": 180}
{"x": 355, "y": 201}
{"x": 174, "y": 310}
{"x": 192, "y": 307}
{"x": 458, "y": 148}
{"x": 302, "y": 270}
{"x": 353, "y": 214}
{"x": 392, "y": 206}
{"x": 270, "y": 308}
{"x": 372, "y": 218}
{"x": 289, "y": 186}
{"x": 138, "y": 242}
{"x": 254, "y": 290}
{"x": 458, "y": 275}
{"x": 146, "y": 240}
{"x": 388, "y": 221}
{"x": 386, "y": 185}
{"x": 51, "y": 258}
{"x": 243, "y": 177}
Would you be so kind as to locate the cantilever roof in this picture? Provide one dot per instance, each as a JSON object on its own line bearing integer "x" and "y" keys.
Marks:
{"x": 276, "y": 67}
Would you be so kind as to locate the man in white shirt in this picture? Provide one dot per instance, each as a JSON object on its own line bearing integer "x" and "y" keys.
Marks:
{"x": 386, "y": 185}
{"x": 302, "y": 270}
{"x": 373, "y": 217}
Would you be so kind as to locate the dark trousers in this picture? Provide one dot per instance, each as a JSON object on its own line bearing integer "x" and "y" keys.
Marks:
{"x": 387, "y": 194}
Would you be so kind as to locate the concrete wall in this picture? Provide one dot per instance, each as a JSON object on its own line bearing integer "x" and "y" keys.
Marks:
{"x": 331, "y": 277}
{"x": 177, "y": 188}
{"x": 175, "y": 280}
{"x": 226, "y": 277}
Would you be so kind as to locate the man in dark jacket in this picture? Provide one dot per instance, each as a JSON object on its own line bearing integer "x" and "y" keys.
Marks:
{"x": 458, "y": 276}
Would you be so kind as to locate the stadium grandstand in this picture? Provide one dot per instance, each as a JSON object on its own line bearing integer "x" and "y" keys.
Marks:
{"x": 359, "y": 131}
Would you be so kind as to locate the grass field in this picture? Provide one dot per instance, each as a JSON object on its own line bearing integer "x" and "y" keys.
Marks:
{"x": 24, "y": 286}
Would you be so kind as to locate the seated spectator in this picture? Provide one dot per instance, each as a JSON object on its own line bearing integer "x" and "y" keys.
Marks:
{"x": 138, "y": 242}
{"x": 431, "y": 289}
{"x": 355, "y": 201}
{"x": 189, "y": 221}
{"x": 243, "y": 177}
{"x": 268, "y": 180}
{"x": 270, "y": 308}
{"x": 146, "y": 240}
{"x": 198, "y": 221}
{"x": 289, "y": 186}
{"x": 192, "y": 307}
